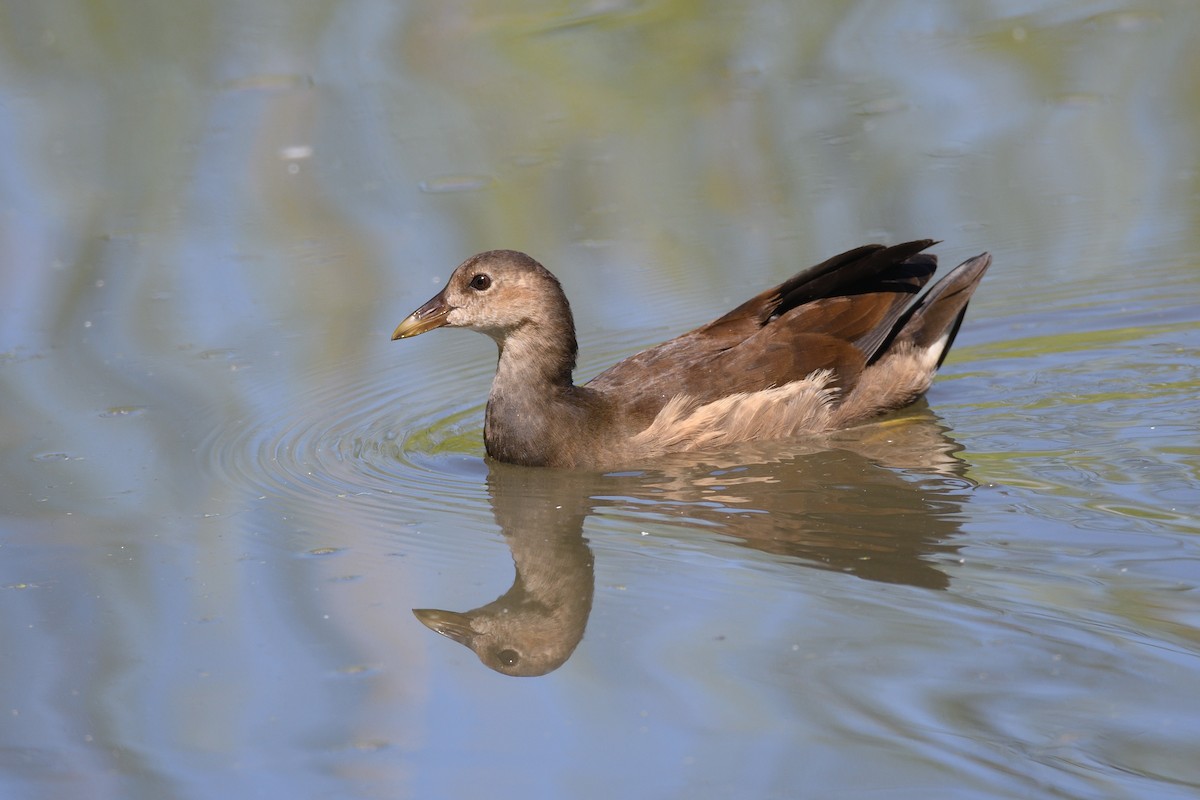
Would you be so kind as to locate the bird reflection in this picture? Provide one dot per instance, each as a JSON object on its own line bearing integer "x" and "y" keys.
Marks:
{"x": 533, "y": 627}
{"x": 876, "y": 502}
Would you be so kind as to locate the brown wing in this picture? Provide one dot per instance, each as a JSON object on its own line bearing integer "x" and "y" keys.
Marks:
{"x": 834, "y": 316}
{"x": 867, "y": 269}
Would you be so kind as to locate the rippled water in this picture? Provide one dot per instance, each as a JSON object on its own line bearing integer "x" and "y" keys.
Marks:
{"x": 224, "y": 492}
{"x": 345, "y": 440}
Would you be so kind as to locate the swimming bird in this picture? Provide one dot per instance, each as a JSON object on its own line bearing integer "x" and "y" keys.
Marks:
{"x": 833, "y": 346}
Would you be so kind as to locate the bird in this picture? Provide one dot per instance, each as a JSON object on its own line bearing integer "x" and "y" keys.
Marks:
{"x": 834, "y": 346}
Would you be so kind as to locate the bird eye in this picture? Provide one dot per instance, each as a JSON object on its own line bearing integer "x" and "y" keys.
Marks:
{"x": 509, "y": 658}
{"x": 481, "y": 282}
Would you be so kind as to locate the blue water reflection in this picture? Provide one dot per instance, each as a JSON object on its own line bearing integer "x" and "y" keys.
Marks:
{"x": 222, "y": 490}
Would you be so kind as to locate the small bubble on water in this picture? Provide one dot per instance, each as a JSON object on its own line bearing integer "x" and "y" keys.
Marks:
{"x": 357, "y": 669}
{"x": 369, "y": 745}
{"x": 296, "y": 152}
{"x": 454, "y": 183}
{"x": 123, "y": 411}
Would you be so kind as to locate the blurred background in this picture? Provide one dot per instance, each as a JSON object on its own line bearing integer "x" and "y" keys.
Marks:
{"x": 222, "y": 489}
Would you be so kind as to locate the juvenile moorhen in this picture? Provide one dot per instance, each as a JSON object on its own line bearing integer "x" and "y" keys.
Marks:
{"x": 833, "y": 346}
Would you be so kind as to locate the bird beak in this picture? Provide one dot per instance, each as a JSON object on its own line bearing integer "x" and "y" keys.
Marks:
{"x": 426, "y": 318}
{"x": 448, "y": 623}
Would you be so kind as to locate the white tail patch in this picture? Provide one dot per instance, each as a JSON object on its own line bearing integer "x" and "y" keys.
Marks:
{"x": 799, "y": 407}
{"x": 935, "y": 351}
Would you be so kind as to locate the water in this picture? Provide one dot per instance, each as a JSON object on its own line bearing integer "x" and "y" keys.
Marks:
{"x": 223, "y": 491}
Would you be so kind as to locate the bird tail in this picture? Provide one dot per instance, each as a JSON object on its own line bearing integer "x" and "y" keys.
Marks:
{"x": 933, "y": 321}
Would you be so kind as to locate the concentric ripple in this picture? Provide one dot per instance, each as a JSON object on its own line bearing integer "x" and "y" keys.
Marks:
{"x": 350, "y": 433}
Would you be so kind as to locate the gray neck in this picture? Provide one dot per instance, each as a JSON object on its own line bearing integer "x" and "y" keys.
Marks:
{"x": 531, "y": 397}
{"x": 536, "y": 358}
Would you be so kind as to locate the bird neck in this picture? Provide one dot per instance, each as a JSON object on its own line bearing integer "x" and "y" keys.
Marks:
{"x": 532, "y": 399}
{"x": 535, "y": 358}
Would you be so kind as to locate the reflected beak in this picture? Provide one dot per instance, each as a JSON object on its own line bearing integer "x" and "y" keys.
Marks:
{"x": 426, "y": 318}
{"x": 448, "y": 623}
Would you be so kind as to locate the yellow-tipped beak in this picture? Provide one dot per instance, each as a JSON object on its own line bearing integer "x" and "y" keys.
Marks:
{"x": 451, "y": 624}
{"x": 426, "y": 318}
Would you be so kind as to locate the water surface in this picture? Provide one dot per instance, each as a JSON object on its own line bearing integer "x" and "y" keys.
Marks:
{"x": 223, "y": 491}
